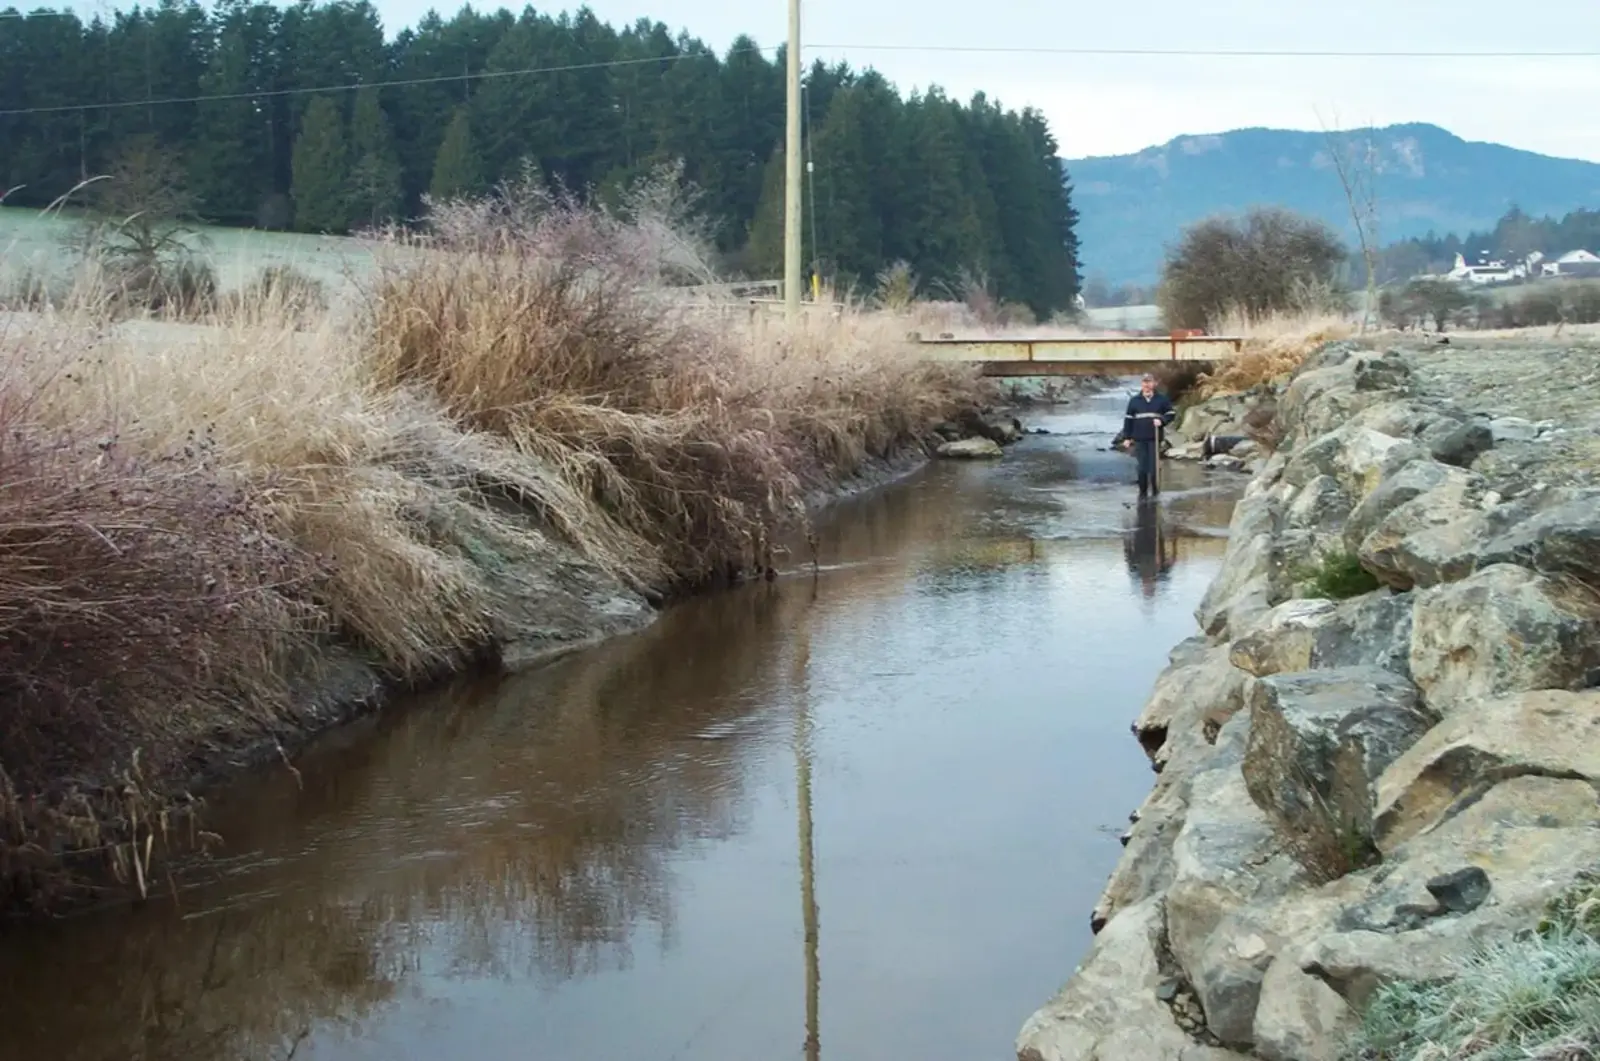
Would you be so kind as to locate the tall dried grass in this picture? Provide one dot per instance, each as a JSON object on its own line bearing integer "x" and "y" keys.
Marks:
{"x": 1274, "y": 346}
{"x": 692, "y": 439}
{"x": 191, "y": 514}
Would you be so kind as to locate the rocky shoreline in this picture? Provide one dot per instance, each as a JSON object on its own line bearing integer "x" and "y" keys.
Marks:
{"x": 1383, "y": 747}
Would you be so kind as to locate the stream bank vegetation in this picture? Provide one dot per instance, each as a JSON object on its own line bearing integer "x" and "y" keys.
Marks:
{"x": 1532, "y": 998}
{"x": 200, "y": 519}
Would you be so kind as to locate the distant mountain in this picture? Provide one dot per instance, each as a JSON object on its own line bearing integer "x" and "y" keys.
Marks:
{"x": 1131, "y": 206}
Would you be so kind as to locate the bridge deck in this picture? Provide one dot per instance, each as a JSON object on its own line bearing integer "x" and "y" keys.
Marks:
{"x": 1081, "y": 355}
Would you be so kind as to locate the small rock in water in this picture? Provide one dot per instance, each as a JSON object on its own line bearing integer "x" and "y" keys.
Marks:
{"x": 1225, "y": 462}
{"x": 971, "y": 449}
{"x": 1462, "y": 891}
{"x": 1167, "y": 990}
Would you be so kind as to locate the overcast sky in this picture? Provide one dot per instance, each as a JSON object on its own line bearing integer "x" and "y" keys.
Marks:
{"x": 1115, "y": 104}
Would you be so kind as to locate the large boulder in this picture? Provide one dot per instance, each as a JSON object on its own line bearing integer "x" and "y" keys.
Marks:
{"x": 1112, "y": 1009}
{"x": 1321, "y": 504}
{"x": 1356, "y": 456}
{"x": 1250, "y": 578}
{"x": 1458, "y": 442}
{"x": 1318, "y": 742}
{"x": 1334, "y": 391}
{"x": 1192, "y": 698}
{"x": 1562, "y": 539}
{"x": 1443, "y": 497}
{"x": 1544, "y": 734}
{"x": 1282, "y": 639}
{"x": 1145, "y": 869}
{"x": 1418, "y": 479}
{"x": 1502, "y": 630}
{"x": 1228, "y": 856}
{"x": 1373, "y": 629}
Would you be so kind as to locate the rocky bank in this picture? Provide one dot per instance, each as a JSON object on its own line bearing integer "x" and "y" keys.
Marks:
{"x": 1359, "y": 786}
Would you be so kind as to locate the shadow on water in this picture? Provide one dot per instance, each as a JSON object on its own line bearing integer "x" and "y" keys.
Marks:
{"x": 861, "y": 812}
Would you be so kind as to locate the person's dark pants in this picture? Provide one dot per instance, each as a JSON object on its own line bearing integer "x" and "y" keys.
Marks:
{"x": 1144, "y": 453}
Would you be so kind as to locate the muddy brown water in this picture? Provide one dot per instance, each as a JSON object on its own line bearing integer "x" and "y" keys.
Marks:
{"x": 855, "y": 813}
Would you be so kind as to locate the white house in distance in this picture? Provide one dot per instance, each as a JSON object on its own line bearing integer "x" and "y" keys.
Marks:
{"x": 1491, "y": 271}
{"x": 1488, "y": 270}
{"x": 1573, "y": 263}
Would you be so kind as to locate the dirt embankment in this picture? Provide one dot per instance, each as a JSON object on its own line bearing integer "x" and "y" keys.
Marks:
{"x": 1379, "y": 755}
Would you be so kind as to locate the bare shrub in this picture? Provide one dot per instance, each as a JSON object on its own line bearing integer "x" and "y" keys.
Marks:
{"x": 1269, "y": 262}
{"x": 144, "y": 606}
{"x": 283, "y": 289}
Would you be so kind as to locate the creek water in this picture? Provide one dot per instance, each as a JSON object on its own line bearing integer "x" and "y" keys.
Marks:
{"x": 859, "y": 812}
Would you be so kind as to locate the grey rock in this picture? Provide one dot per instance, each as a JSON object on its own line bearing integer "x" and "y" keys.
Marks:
{"x": 1458, "y": 443}
{"x": 1390, "y": 373}
{"x": 1321, "y": 504}
{"x": 977, "y": 448}
{"x": 1503, "y": 629}
{"x": 1412, "y": 481}
{"x": 1532, "y": 858}
{"x": 1480, "y": 745}
{"x": 1250, "y": 579}
{"x": 1373, "y": 630}
{"x": 1197, "y": 692}
{"x": 1319, "y": 741}
{"x": 1224, "y": 462}
{"x": 1300, "y": 1018}
{"x": 1513, "y": 429}
{"x": 1564, "y": 539}
{"x": 1281, "y": 640}
{"x": 1108, "y": 1011}
{"x": 1461, "y": 891}
{"x": 1229, "y": 856}
{"x": 1452, "y": 498}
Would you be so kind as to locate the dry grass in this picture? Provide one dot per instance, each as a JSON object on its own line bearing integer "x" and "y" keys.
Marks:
{"x": 191, "y": 512}
{"x": 690, "y": 439}
{"x": 1274, "y": 346}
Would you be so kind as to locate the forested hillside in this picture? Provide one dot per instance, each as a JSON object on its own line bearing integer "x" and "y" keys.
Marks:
{"x": 259, "y": 106}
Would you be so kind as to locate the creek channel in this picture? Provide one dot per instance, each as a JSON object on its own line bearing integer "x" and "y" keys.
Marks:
{"x": 861, "y": 811}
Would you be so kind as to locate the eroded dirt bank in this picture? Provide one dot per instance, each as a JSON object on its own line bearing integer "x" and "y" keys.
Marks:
{"x": 1383, "y": 747}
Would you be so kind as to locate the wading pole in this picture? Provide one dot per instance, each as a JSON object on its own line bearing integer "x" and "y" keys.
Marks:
{"x": 1155, "y": 465}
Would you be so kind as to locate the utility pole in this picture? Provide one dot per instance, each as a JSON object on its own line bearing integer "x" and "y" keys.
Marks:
{"x": 791, "y": 178}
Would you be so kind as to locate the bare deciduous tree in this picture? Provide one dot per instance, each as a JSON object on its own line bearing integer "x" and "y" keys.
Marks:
{"x": 1356, "y": 161}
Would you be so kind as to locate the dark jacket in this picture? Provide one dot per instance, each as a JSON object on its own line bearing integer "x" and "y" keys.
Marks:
{"x": 1142, "y": 430}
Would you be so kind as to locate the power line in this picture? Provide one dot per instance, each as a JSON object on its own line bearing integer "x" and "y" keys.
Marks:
{"x": 483, "y": 75}
{"x": 65, "y": 108}
{"x": 1205, "y": 53}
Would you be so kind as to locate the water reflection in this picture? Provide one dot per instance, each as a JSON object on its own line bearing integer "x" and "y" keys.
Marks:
{"x": 926, "y": 740}
{"x": 1149, "y": 549}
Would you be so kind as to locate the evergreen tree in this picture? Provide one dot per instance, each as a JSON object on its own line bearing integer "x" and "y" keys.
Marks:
{"x": 457, "y": 171}
{"x": 321, "y": 170}
{"x": 375, "y": 190}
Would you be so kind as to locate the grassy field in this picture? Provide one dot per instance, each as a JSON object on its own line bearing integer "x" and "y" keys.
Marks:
{"x": 33, "y": 244}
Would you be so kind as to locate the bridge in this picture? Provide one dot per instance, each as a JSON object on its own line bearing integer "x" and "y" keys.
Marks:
{"x": 1082, "y": 355}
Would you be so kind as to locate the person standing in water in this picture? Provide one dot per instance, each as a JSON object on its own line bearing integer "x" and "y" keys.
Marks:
{"x": 1147, "y": 412}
